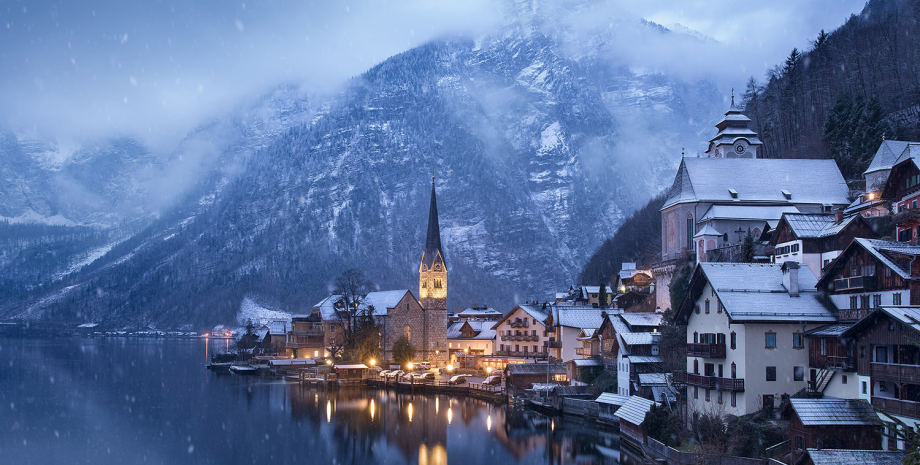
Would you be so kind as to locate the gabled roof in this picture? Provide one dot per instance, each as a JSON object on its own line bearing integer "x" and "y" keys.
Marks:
{"x": 754, "y": 292}
{"x": 906, "y": 315}
{"x": 886, "y": 156}
{"x": 644, "y": 358}
{"x": 643, "y": 319}
{"x": 611, "y": 399}
{"x": 830, "y": 411}
{"x": 829, "y": 330}
{"x": 578, "y": 317}
{"x": 481, "y": 328}
{"x": 861, "y": 457}
{"x": 535, "y": 368}
{"x": 587, "y": 362}
{"x": 649, "y": 379}
{"x": 758, "y": 181}
{"x": 634, "y": 409}
{"x": 816, "y": 225}
{"x": 532, "y": 311}
{"x": 882, "y": 250}
{"x": 631, "y": 339}
{"x": 708, "y": 230}
{"x": 384, "y": 300}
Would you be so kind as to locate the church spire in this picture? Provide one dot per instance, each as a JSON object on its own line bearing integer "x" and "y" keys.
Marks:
{"x": 433, "y": 239}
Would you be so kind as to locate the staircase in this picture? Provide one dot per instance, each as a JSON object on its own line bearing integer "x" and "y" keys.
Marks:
{"x": 822, "y": 379}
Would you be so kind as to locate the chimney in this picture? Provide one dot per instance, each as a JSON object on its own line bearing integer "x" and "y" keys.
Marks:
{"x": 838, "y": 216}
{"x": 791, "y": 278}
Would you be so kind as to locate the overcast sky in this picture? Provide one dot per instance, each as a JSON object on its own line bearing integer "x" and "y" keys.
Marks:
{"x": 155, "y": 69}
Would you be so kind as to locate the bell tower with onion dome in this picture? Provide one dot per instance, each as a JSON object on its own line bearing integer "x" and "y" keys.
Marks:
{"x": 735, "y": 138}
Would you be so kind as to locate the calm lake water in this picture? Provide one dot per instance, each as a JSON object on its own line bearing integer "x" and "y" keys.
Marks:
{"x": 120, "y": 400}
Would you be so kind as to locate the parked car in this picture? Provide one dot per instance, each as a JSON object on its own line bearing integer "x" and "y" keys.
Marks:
{"x": 405, "y": 377}
{"x": 395, "y": 374}
{"x": 428, "y": 376}
{"x": 499, "y": 373}
{"x": 423, "y": 366}
{"x": 459, "y": 379}
{"x": 384, "y": 373}
{"x": 493, "y": 381}
{"x": 447, "y": 369}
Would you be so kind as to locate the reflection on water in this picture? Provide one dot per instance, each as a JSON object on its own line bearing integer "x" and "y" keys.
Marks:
{"x": 152, "y": 401}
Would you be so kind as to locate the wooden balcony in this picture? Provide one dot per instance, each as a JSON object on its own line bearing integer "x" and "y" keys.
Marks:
{"x": 520, "y": 337}
{"x": 585, "y": 351}
{"x": 864, "y": 283}
{"x": 552, "y": 344}
{"x": 709, "y": 382}
{"x": 518, "y": 353}
{"x": 841, "y": 363}
{"x": 308, "y": 333}
{"x": 894, "y": 372}
{"x": 853, "y": 313}
{"x": 897, "y": 407}
{"x": 706, "y": 350}
{"x": 520, "y": 324}
{"x": 306, "y": 343}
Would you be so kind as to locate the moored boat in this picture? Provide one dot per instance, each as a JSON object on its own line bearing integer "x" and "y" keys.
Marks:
{"x": 243, "y": 369}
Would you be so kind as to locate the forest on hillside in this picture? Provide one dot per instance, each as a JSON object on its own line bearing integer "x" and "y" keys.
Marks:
{"x": 838, "y": 99}
{"x": 850, "y": 89}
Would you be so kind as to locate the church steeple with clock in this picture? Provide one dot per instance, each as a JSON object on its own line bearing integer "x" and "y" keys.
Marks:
{"x": 432, "y": 271}
{"x": 735, "y": 139}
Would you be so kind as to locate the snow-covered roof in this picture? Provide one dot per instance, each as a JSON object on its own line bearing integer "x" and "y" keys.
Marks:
{"x": 631, "y": 339}
{"x": 881, "y": 250}
{"x": 753, "y": 292}
{"x": 642, "y": 319}
{"x": 354, "y": 366}
{"x": 588, "y": 362}
{"x": 291, "y": 362}
{"x": 278, "y": 327}
{"x": 830, "y": 411}
{"x": 708, "y": 230}
{"x": 611, "y": 399}
{"x": 829, "y": 330}
{"x": 746, "y": 212}
{"x": 665, "y": 393}
{"x": 759, "y": 181}
{"x": 862, "y": 457}
{"x": 383, "y": 300}
{"x": 482, "y": 329}
{"x": 535, "y": 312}
{"x": 644, "y": 359}
{"x": 909, "y": 316}
{"x": 815, "y": 225}
{"x": 887, "y": 155}
{"x": 648, "y": 379}
{"x": 578, "y": 317}
{"x": 634, "y": 409}
{"x": 479, "y": 312}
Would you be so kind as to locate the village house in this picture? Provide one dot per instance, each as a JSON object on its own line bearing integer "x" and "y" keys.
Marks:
{"x": 862, "y": 457}
{"x": 632, "y": 415}
{"x": 520, "y": 377}
{"x": 471, "y": 337}
{"x": 871, "y": 273}
{"x": 815, "y": 239}
{"x": 830, "y": 423}
{"x": 903, "y": 190}
{"x": 567, "y": 322}
{"x": 745, "y": 335}
{"x": 520, "y": 335}
{"x": 831, "y": 362}
{"x": 888, "y": 364}
{"x": 311, "y": 335}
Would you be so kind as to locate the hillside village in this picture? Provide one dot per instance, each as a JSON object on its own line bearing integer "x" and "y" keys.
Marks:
{"x": 798, "y": 302}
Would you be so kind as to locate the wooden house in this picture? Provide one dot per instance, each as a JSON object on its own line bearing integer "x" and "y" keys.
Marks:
{"x": 871, "y": 273}
{"x": 830, "y": 423}
{"x": 520, "y": 377}
{"x": 815, "y": 239}
{"x": 632, "y": 415}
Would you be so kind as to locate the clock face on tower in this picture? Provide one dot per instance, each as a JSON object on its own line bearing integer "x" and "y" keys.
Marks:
{"x": 739, "y": 149}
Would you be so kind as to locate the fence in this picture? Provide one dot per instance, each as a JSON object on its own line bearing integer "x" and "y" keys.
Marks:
{"x": 479, "y": 391}
{"x": 676, "y": 457}
{"x": 585, "y": 408}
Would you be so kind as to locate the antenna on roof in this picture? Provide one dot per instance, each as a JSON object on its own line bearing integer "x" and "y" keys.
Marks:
{"x": 733, "y": 96}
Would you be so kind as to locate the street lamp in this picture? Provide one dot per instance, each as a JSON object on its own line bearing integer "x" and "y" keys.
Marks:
{"x": 410, "y": 365}
{"x": 373, "y": 362}
{"x": 328, "y": 362}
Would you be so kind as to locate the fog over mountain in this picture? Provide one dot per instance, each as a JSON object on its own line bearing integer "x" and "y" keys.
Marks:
{"x": 545, "y": 124}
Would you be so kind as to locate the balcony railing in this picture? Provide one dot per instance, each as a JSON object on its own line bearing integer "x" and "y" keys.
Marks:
{"x": 584, "y": 351}
{"x": 520, "y": 337}
{"x": 895, "y": 372}
{"x": 706, "y": 350}
{"x": 841, "y": 363}
{"x": 867, "y": 283}
{"x": 906, "y": 408}
{"x": 552, "y": 344}
{"x": 710, "y": 382}
{"x": 518, "y": 353}
{"x": 301, "y": 344}
{"x": 308, "y": 333}
{"x": 853, "y": 313}
{"x": 520, "y": 324}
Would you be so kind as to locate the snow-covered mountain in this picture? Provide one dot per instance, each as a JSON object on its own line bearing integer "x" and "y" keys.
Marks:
{"x": 540, "y": 137}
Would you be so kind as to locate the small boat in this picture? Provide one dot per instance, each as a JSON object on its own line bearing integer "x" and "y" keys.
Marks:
{"x": 244, "y": 369}
{"x": 219, "y": 367}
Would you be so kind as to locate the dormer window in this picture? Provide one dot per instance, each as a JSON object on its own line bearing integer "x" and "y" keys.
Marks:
{"x": 733, "y": 193}
{"x": 787, "y": 194}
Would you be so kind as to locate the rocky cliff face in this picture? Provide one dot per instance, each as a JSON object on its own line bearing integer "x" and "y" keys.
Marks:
{"x": 539, "y": 139}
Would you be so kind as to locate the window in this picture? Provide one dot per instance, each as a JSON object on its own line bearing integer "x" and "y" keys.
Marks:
{"x": 890, "y": 325}
{"x": 407, "y": 331}
{"x": 770, "y": 340}
{"x": 862, "y": 351}
{"x": 696, "y": 337}
{"x": 696, "y": 392}
{"x": 823, "y": 346}
{"x": 843, "y": 379}
{"x": 707, "y": 306}
{"x": 696, "y": 367}
{"x": 797, "y": 342}
{"x": 798, "y": 373}
{"x": 721, "y": 307}
{"x": 734, "y": 371}
{"x": 896, "y": 297}
{"x": 734, "y": 339}
{"x": 501, "y": 347}
{"x": 876, "y": 301}
{"x": 853, "y": 302}
{"x": 905, "y": 235}
{"x": 689, "y": 231}
{"x": 881, "y": 354}
{"x": 795, "y": 247}
{"x": 864, "y": 301}
{"x": 771, "y": 373}
{"x": 697, "y": 309}
{"x": 913, "y": 203}
{"x": 525, "y": 349}
{"x": 332, "y": 340}
{"x": 799, "y": 443}
{"x": 719, "y": 396}
{"x": 707, "y": 395}
{"x": 863, "y": 387}
{"x": 734, "y": 399}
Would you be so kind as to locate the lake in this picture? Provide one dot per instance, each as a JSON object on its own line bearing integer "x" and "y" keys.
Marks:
{"x": 135, "y": 400}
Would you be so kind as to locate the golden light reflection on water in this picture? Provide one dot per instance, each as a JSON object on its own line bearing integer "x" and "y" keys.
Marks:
{"x": 436, "y": 405}
{"x": 372, "y": 409}
{"x": 436, "y": 455}
{"x": 328, "y": 411}
{"x": 489, "y": 423}
{"x": 410, "y": 412}
{"x": 450, "y": 415}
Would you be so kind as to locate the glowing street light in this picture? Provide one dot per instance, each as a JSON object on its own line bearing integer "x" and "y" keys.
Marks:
{"x": 373, "y": 362}
{"x": 410, "y": 365}
{"x": 328, "y": 362}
